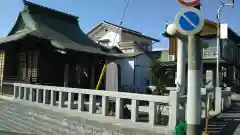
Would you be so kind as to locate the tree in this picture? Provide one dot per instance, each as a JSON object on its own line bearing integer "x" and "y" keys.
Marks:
{"x": 158, "y": 74}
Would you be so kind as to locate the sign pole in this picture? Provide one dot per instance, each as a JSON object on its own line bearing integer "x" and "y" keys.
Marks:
{"x": 194, "y": 86}
{"x": 190, "y": 23}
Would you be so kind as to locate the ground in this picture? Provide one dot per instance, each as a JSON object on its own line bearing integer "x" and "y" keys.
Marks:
{"x": 227, "y": 123}
{"x": 20, "y": 118}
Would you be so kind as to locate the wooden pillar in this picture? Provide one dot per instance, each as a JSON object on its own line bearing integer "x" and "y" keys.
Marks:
{"x": 66, "y": 75}
{"x": 93, "y": 78}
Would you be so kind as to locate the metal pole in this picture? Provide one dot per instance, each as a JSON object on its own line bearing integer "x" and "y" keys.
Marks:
{"x": 218, "y": 46}
{"x": 194, "y": 86}
{"x": 218, "y": 39}
{"x": 181, "y": 64}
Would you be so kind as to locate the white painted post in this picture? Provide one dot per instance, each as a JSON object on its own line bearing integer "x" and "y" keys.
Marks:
{"x": 21, "y": 92}
{"x": 92, "y": 104}
{"x": 174, "y": 109}
{"x": 34, "y": 93}
{"x": 229, "y": 97}
{"x": 119, "y": 108}
{"x": 70, "y": 100}
{"x": 152, "y": 113}
{"x": 105, "y": 105}
{"x": 25, "y": 93}
{"x": 80, "y": 102}
{"x": 218, "y": 99}
{"x": 134, "y": 110}
{"x": 44, "y": 96}
{"x": 181, "y": 64}
{"x": 37, "y": 95}
{"x": 224, "y": 101}
{"x": 30, "y": 94}
{"x": 53, "y": 98}
{"x": 15, "y": 91}
{"x": 61, "y": 100}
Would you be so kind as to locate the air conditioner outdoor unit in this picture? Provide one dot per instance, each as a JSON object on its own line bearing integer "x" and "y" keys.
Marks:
{"x": 171, "y": 57}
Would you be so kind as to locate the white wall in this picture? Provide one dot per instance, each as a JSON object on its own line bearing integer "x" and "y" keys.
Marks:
{"x": 138, "y": 63}
{"x": 127, "y": 71}
{"x": 142, "y": 73}
{"x": 109, "y": 34}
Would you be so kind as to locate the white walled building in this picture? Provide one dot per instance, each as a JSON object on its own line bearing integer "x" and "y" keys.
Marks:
{"x": 129, "y": 41}
{"x": 134, "y": 69}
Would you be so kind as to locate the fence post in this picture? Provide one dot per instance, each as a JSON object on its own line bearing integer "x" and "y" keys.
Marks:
{"x": 53, "y": 97}
{"x": 152, "y": 113}
{"x": 173, "y": 110}
{"x": 70, "y": 100}
{"x": 226, "y": 100}
{"x": 105, "y": 105}
{"x": 119, "y": 108}
{"x": 30, "y": 94}
{"x": 44, "y": 96}
{"x": 15, "y": 91}
{"x": 229, "y": 97}
{"x": 61, "y": 99}
{"x": 80, "y": 102}
{"x": 134, "y": 110}
{"x": 218, "y": 99}
{"x": 92, "y": 104}
{"x": 25, "y": 96}
{"x": 37, "y": 95}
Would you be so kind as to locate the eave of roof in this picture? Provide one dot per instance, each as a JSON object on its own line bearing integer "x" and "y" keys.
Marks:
{"x": 40, "y": 9}
{"x": 47, "y": 29}
{"x": 124, "y": 29}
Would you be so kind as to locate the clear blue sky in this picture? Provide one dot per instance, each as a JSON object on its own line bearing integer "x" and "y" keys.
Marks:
{"x": 146, "y": 16}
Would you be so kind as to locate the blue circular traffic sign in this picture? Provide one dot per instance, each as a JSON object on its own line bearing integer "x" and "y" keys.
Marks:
{"x": 189, "y": 21}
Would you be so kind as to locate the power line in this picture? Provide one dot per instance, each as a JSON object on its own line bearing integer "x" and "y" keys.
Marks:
{"x": 121, "y": 21}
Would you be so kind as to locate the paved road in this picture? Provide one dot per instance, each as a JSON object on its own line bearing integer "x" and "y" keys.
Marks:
{"x": 20, "y": 118}
{"x": 227, "y": 123}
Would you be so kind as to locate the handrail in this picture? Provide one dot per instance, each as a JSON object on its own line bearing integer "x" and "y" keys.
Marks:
{"x": 151, "y": 98}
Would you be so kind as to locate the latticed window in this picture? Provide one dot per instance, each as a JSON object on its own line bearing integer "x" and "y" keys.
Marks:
{"x": 23, "y": 65}
{"x": 33, "y": 65}
{"x": 28, "y": 65}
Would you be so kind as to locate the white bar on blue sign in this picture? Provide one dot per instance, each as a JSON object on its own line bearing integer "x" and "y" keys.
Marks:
{"x": 224, "y": 31}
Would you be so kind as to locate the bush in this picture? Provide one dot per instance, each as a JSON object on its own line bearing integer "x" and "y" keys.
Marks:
{"x": 181, "y": 129}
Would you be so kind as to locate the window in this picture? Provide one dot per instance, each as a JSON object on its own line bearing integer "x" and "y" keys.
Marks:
{"x": 211, "y": 42}
{"x": 28, "y": 65}
{"x": 22, "y": 65}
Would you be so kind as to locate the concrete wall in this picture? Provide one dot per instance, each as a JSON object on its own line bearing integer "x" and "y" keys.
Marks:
{"x": 127, "y": 71}
{"x": 135, "y": 71}
{"x": 143, "y": 75}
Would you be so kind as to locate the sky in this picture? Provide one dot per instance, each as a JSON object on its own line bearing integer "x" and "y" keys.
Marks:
{"x": 146, "y": 16}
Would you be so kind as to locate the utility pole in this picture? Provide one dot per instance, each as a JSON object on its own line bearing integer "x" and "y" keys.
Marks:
{"x": 218, "y": 38}
{"x": 194, "y": 84}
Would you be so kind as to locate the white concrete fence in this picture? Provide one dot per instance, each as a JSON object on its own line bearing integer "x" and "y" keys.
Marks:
{"x": 47, "y": 95}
